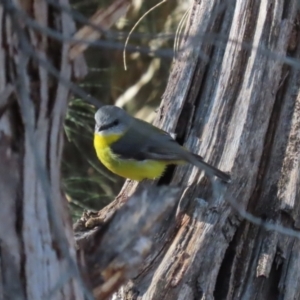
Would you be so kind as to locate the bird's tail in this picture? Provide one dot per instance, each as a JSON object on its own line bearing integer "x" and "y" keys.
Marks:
{"x": 209, "y": 169}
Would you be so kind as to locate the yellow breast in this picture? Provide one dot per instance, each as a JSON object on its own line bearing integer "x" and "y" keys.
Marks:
{"x": 128, "y": 168}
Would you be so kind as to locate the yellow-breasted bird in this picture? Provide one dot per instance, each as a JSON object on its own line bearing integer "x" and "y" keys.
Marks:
{"x": 137, "y": 150}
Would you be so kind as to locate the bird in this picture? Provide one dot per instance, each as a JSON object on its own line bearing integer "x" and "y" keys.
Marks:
{"x": 137, "y": 150}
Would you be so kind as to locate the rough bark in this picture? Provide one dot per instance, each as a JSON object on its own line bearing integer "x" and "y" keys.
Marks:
{"x": 232, "y": 97}
{"x": 115, "y": 250}
{"x": 36, "y": 241}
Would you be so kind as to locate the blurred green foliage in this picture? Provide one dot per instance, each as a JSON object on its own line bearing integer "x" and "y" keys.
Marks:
{"x": 88, "y": 185}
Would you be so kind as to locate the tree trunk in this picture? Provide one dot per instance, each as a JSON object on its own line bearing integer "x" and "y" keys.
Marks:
{"x": 232, "y": 97}
{"x": 36, "y": 242}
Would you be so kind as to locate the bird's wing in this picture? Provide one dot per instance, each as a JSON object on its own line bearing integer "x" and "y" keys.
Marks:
{"x": 144, "y": 141}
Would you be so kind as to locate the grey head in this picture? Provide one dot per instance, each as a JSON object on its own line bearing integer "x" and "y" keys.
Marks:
{"x": 112, "y": 120}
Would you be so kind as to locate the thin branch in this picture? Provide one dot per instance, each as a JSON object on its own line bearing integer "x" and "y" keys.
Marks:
{"x": 135, "y": 25}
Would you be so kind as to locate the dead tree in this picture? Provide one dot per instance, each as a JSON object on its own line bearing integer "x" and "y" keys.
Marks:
{"x": 232, "y": 97}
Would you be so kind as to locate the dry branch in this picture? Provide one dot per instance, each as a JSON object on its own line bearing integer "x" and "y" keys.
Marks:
{"x": 115, "y": 250}
{"x": 102, "y": 20}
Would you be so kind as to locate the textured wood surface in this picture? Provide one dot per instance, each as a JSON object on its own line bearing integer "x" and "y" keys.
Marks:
{"x": 36, "y": 239}
{"x": 232, "y": 97}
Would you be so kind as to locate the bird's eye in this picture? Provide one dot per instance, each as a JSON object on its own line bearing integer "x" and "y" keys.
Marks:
{"x": 116, "y": 122}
